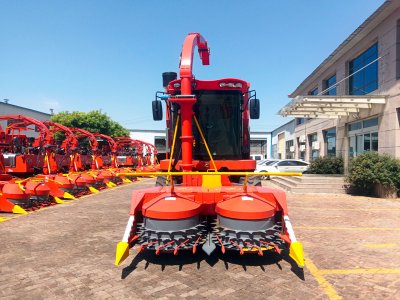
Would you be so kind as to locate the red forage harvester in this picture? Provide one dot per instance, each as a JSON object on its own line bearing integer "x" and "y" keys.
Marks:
{"x": 207, "y": 195}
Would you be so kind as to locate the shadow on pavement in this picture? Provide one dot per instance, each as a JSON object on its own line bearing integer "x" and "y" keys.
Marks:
{"x": 229, "y": 258}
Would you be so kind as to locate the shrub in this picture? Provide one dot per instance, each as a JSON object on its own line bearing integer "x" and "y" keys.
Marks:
{"x": 371, "y": 168}
{"x": 326, "y": 165}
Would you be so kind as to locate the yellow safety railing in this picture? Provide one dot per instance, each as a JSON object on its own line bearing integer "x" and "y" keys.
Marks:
{"x": 245, "y": 174}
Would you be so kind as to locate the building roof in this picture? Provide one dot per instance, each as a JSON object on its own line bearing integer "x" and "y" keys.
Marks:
{"x": 386, "y": 9}
{"x": 25, "y": 108}
{"x": 148, "y": 130}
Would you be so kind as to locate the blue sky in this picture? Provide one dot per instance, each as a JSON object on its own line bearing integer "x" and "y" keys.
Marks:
{"x": 101, "y": 54}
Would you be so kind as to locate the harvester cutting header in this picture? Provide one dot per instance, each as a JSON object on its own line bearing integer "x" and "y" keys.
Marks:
{"x": 207, "y": 194}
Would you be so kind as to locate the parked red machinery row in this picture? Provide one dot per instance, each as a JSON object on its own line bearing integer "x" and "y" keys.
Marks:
{"x": 43, "y": 163}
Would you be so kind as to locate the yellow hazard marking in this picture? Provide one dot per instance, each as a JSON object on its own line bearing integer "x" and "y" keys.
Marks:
{"x": 58, "y": 200}
{"x": 2, "y": 220}
{"x": 359, "y": 271}
{"x": 323, "y": 283}
{"x": 296, "y": 253}
{"x": 68, "y": 196}
{"x": 344, "y": 228}
{"x": 111, "y": 184}
{"x": 211, "y": 181}
{"x": 93, "y": 190}
{"x": 121, "y": 252}
{"x": 19, "y": 210}
{"x": 381, "y": 245}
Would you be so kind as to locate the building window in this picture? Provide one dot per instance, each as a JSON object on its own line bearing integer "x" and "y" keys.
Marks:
{"x": 355, "y": 126}
{"x": 330, "y": 86}
{"x": 366, "y": 80}
{"x": 363, "y": 136}
{"x": 160, "y": 143}
{"x": 330, "y": 142}
{"x": 299, "y": 121}
{"x": 301, "y": 142}
{"x": 275, "y": 151}
{"x": 314, "y": 146}
{"x": 289, "y": 147}
{"x": 370, "y": 123}
{"x": 313, "y": 92}
{"x": 258, "y": 147}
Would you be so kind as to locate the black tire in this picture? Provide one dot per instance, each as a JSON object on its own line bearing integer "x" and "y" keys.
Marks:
{"x": 251, "y": 180}
{"x": 161, "y": 181}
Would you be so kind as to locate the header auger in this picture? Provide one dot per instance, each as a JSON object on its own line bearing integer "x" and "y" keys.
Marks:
{"x": 207, "y": 195}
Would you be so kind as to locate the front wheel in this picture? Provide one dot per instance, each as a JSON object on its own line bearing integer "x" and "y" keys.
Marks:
{"x": 265, "y": 177}
{"x": 252, "y": 180}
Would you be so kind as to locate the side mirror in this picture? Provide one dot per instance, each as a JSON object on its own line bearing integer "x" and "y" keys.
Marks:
{"x": 157, "y": 110}
{"x": 254, "y": 107}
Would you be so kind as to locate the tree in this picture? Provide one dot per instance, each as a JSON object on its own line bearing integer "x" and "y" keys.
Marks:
{"x": 94, "y": 121}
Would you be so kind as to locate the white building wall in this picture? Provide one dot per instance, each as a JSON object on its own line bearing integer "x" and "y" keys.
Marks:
{"x": 289, "y": 134}
{"x": 263, "y": 136}
{"x": 387, "y": 35}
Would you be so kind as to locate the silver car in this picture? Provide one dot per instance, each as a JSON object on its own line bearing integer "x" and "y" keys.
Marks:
{"x": 283, "y": 165}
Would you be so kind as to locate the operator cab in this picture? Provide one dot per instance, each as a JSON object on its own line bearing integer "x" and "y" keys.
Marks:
{"x": 222, "y": 109}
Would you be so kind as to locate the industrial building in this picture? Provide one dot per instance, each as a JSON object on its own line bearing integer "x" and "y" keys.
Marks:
{"x": 260, "y": 142}
{"x": 351, "y": 102}
{"x": 10, "y": 109}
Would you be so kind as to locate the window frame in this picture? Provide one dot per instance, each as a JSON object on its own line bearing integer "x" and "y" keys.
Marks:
{"x": 327, "y": 86}
{"x": 360, "y": 75}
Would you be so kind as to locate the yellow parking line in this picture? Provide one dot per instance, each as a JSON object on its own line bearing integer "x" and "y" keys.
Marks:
{"x": 381, "y": 245}
{"x": 10, "y": 218}
{"x": 345, "y": 209}
{"x": 359, "y": 271}
{"x": 345, "y": 228}
{"x": 323, "y": 283}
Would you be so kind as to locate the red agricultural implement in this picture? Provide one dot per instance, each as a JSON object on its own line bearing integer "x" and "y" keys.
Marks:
{"x": 26, "y": 154}
{"x": 127, "y": 152}
{"x": 207, "y": 195}
{"x": 11, "y": 193}
{"x": 66, "y": 146}
{"x": 108, "y": 149}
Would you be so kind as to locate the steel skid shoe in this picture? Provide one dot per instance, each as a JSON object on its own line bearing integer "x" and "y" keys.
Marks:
{"x": 14, "y": 198}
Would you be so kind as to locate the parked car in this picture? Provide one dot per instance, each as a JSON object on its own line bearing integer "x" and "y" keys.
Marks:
{"x": 257, "y": 157}
{"x": 266, "y": 162}
{"x": 283, "y": 165}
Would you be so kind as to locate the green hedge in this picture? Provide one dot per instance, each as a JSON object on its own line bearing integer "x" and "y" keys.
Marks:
{"x": 326, "y": 165}
{"x": 371, "y": 168}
